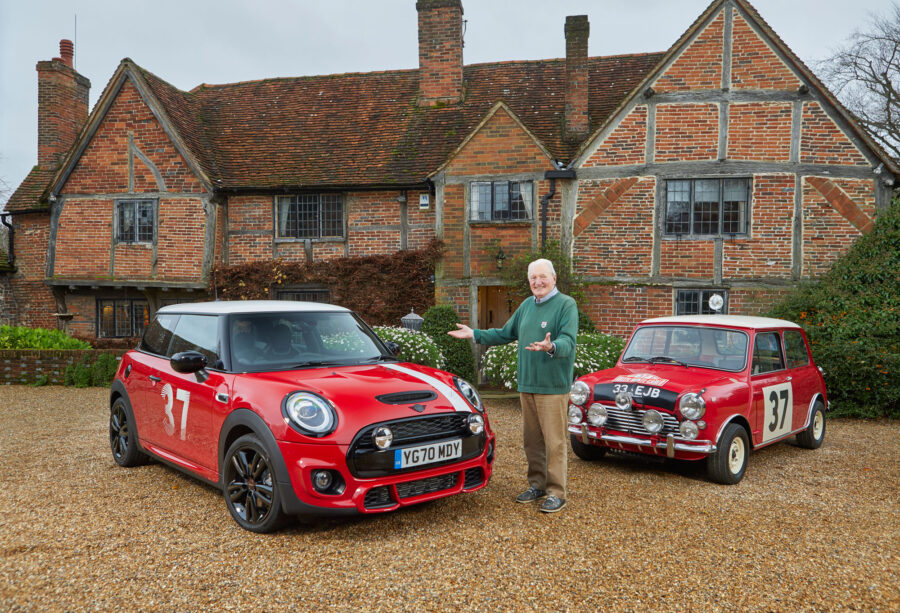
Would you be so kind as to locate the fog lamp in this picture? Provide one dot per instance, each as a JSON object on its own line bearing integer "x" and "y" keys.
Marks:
{"x": 689, "y": 430}
{"x": 476, "y": 423}
{"x": 653, "y": 421}
{"x": 383, "y": 437}
{"x": 575, "y": 414}
{"x": 322, "y": 479}
{"x": 597, "y": 414}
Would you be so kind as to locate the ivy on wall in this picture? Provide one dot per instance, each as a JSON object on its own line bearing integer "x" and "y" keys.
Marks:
{"x": 380, "y": 288}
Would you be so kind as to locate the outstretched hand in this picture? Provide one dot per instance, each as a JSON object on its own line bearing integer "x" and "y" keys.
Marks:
{"x": 462, "y": 331}
{"x": 544, "y": 345}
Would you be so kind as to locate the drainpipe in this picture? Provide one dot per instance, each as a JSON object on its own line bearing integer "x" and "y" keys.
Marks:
{"x": 553, "y": 175}
{"x": 4, "y": 218}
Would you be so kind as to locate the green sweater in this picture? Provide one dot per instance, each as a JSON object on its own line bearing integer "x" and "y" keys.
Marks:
{"x": 538, "y": 372}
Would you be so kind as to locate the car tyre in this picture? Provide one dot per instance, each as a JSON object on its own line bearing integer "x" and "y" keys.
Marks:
{"x": 729, "y": 462}
{"x": 123, "y": 435}
{"x": 812, "y": 437}
{"x": 249, "y": 486}
{"x": 588, "y": 453}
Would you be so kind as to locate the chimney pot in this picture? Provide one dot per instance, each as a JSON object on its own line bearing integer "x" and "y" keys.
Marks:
{"x": 67, "y": 52}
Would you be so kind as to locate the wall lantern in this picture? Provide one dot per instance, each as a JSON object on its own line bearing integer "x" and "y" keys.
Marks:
{"x": 412, "y": 321}
{"x": 500, "y": 257}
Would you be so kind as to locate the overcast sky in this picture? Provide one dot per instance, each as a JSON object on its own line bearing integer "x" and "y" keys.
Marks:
{"x": 188, "y": 42}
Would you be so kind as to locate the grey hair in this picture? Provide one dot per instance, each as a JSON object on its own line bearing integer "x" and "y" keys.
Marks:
{"x": 546, "y": 263}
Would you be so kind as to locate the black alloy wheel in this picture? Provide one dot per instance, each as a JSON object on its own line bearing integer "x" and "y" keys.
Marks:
{"x": 122, "y": 436}
{"x": 250, "y": 490}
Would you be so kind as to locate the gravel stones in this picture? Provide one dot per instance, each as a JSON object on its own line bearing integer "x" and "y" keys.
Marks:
{"x": 805, "y": 530}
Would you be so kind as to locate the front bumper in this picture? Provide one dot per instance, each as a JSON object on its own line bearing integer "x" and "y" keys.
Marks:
{"x": 378, "y": 494}
{"x": 671, "y": 444}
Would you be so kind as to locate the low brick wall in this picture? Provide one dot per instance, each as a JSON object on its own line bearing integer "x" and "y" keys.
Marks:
{"x": 24, "y": 366}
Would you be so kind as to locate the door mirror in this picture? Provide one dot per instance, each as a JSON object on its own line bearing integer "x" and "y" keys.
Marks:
{"x": 188, "y": 362}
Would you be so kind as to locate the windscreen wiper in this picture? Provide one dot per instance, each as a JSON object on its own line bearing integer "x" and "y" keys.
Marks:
{"x": 664, "y": 358}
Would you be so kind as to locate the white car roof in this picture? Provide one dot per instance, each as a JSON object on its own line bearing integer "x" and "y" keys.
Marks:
{"x": 228, "y": 307}
{"x": 733, "y": 321}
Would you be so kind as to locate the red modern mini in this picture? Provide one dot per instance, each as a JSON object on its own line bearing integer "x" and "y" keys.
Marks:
{"x": 702, "y": 387}
{"x": 295, "y": 408}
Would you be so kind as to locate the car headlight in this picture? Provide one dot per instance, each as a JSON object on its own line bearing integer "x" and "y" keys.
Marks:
{"x": 692, "y": 406}
{"x": 597, "y": 414}
{"x": 579, "y": 393}
{"x": 576, "y": 415}
{"x": 476, "y": 423}
{"x": 689, "y": 430}
{"x": 465, "y": 388}
{"x": 653, "y": 421}
{"x": 311, "y": 414}
{"x": 623, "y": 401}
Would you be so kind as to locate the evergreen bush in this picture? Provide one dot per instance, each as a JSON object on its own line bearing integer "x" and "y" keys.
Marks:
{"x": 852, "y": 320}
{"x": 415, "y": 347}
{"x": 458, "y": 356}
{"x": 21, "y": 337}
{"x": 82, "y": 375}
{"x": 104, "y": 369}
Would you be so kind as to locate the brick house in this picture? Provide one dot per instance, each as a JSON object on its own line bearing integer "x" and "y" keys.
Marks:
{"x": 722, "y": 165}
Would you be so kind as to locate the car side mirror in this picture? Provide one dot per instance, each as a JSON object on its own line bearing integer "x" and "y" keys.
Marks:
{"x": 188, "y": 362}
{"x": 392, "y": 347}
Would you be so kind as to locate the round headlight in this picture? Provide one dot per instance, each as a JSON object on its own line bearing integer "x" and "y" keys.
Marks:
{"x": 310, "y": 413}
{"x": 623, "y": 400}
{"x": 576, "y": 415}
{"x": 653, "y": 421}
{"x": 689, "y": 430}
{"x": 465, "y": 388}
{"x": 692, "y": 406}
{"x": 476, "y": 423}
{"x": 597, "y": 414}
{"x": 579, "y": 393}
{"x": 382, "y": 437}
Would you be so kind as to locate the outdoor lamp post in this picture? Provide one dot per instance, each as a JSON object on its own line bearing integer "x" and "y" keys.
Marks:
{"x": 412, "y": 321}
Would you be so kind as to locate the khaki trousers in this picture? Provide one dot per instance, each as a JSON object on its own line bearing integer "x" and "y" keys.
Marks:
{"x": 544, "y": 438}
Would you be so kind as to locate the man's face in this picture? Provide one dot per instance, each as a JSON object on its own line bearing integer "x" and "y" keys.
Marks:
{"x": 541, "y": 281}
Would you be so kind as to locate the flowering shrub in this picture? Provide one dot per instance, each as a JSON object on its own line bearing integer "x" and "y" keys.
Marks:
{"x": 592, "y": 352}
{"x": 415, "y": 346}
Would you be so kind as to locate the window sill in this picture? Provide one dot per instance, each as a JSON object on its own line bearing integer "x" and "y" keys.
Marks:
{"x": 704, "y": 237}
{"x": 501, "y": 222}
{"x": 335, "y": 239}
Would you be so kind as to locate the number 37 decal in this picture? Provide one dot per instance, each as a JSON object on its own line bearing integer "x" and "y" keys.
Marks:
{"x": 778, "y": 401}
{"x": 169, "y": 420}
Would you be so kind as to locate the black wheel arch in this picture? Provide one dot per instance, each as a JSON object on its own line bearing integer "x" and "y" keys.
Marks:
{"x": 117, "y": 390}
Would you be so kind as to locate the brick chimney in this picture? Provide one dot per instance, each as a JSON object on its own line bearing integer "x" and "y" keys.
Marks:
{"x": 577, "y": 31}
{"x": 62, "y": 105}
{"x": 440, "y": 51}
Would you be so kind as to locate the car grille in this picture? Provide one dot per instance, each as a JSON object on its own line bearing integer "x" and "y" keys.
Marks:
{"x": 378, "y": 498}
{"x": 417, "y": 429}
{"x": 474, "y": 478}
{"x": 411, "y": 489}
{"x": 630, "y": 421}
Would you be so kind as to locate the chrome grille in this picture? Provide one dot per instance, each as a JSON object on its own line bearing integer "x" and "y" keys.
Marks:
{"x": 630, "y": 421}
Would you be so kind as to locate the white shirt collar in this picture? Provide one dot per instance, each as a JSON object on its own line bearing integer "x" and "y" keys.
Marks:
{"x": 552, "y": 293}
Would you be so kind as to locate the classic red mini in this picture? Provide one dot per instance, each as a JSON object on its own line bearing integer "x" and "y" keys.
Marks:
{"x": 702, "y": 387}
{"x": 295, "y": 408}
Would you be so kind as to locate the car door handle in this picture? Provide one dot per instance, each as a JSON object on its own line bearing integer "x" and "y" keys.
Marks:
{"x": 789, "y": 378}
{"x": 223, "y": 398}
{"x": 155, "y": 379}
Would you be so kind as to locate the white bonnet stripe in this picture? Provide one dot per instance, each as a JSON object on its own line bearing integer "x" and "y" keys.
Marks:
{"x": 448, "y": 392}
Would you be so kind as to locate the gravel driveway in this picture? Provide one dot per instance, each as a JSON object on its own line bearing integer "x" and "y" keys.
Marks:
{"x": 805, "y": 530}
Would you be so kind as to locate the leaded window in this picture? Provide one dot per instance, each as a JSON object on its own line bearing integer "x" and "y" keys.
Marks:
{"x": 311, "y": 216}
{"x": 696, "y": 301}
{"x": 121, "y": 318}
{"x": 501, "y": 200}
{"x": 707, "y": 207}
{"x": 135, "y": 221}
{"x": 306, "y": 295}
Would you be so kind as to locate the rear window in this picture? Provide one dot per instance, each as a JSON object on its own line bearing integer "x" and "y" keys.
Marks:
{"x": 158, "y": 335}
{"x": 795, "y": 349}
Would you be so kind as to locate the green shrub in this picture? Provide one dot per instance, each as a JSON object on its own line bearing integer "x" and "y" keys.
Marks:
{"x": 415, "y": 347}
{"x": 852, "y": 320}
{"x": 20, "y": 337}
{"x": 592, "y": 352}
{"x": 458, "y": 356}
{"x": 585, "y": 323}
{"x": 69, "y": 375}
{"x": 41, "y": 381}
{"x": 104, "y": 369}
{"x": 82, "y": 375}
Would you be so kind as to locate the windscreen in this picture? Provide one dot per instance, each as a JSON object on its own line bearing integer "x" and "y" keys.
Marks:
{"x": 690, "y": 345}
{"x": 282, "y": 341}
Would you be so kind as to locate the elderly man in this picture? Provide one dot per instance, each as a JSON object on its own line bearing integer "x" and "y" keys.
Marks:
{"x": 545, "y": 326}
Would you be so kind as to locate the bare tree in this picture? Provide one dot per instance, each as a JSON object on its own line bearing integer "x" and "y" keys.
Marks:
{"x": 865, "y": 76}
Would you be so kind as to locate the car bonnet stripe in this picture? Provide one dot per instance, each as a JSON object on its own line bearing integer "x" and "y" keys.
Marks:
{"x": 455, "y": 399}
